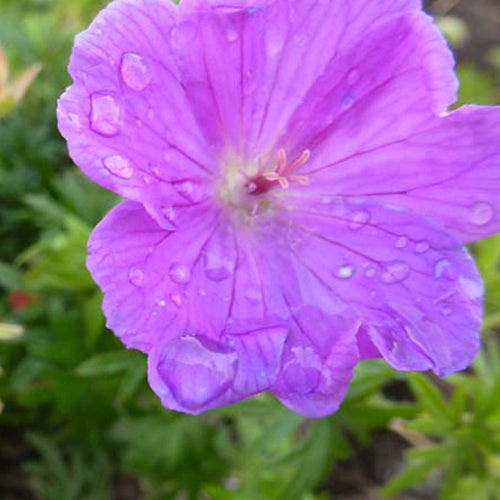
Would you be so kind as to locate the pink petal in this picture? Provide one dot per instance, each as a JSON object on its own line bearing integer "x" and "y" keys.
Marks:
{"x": 126, "y": 118}
{"x": 415, "y": 287}
{"x": 447, "y": 169}
{"x": 274, "y": 53}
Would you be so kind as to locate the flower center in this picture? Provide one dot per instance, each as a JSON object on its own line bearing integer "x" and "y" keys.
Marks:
{"x": 242, "y": 187}
{"x": 282, "y": 175}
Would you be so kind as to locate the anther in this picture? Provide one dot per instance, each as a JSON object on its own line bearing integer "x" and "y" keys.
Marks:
{"x": 282, "y": 174}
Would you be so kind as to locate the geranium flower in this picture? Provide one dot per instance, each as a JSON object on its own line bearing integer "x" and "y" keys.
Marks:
{"x": 298, "y": 195}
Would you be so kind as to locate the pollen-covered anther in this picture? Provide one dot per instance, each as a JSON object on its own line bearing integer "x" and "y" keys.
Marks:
{"x": 282, "y": 174}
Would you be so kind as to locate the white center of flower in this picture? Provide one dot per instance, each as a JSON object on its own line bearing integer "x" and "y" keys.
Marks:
{"x": 246, "y": 189}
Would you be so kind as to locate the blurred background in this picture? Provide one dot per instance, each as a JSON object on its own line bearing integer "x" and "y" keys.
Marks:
{"x": 77, "y": 419}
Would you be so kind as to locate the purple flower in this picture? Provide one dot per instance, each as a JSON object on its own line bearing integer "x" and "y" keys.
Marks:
{"x": 298, "y": 195}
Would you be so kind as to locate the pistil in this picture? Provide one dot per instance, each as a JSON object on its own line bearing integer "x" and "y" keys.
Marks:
{"x": 282, "y": 175}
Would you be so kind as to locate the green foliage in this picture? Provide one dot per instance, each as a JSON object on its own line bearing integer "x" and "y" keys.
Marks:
{"x": 462, "y": 431}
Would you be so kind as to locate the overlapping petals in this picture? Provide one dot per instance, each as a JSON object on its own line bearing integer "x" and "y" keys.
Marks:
{"x": 200, "y": 302}
{"x": 285, "y": 292}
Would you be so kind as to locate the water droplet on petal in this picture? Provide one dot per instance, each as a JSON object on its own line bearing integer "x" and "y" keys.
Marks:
{"x": 353, "y": 77}
{"x": 300, "y": 40}
{"x": 402, "y": 242}
{"x": 481, "y": 213}
{"x": 359, "y": 219}
{"x": 347, "y": 102}
{"x": 136, "y": 276}
{"x": 176, "y": 299}
{"x": 197, "y": 370}
{"x": 275, "y": 40}
{"x": 395, "y": 272}
{"x": 217, "y": 266}
{"x": 188, "y": 190}
{"x": 119, "y": 166}
{"x": 75, "y": 121}
{"x": 442, "y": 268}
{"x": 161, "y": 302}
{"x": 473, "y": 288}
{"x": 135, "y": 71}
{"x": 182, "y": 34}
{"x": 253, "y": 295}
{"x": 179, "y": 273}
{"x": 105, "y": 114}
{"x": 446, "y": 311}
{"x": 231, "y": 35}
{"x": 422, "y": 246}
{"x": 370, "y": 272}
{"x": 345, "y": 272}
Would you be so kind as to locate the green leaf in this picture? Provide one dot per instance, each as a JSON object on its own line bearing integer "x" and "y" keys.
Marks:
{"x": 414, "y": 472}
{"x": 429, "y": 397}
{"x": 109, "y": 363}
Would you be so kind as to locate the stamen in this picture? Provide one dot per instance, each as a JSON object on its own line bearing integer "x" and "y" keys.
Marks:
{"x": 282, "y": 174}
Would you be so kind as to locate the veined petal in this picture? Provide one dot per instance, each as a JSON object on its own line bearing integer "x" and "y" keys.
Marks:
{"x": 126, "y": 118}
{"x": 414, "y": 286}
{"x": 379, "y": 89}
{"x": 318, "y": 363}
{"x": 196, "y": 300}
{"x": 448, "y": 170}
{"x": 274, "y": 53}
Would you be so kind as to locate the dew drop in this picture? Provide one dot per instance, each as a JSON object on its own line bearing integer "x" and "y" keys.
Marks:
{"x": 136, "y": 276}
{"x": 370, "y": 272}
{"x": 196, "y": 370}
{"x": 359, "y": 219}
{"x": 446, "y": 311}
{"x": 182, "y": 34}
{"x": 75, "y": 121}
{"x": 105, "y": 114}
{"x": 481, "y": 213}
{"x": 422, "y": 246}
{"x": 231, "y": 35}
{"x": 402, "y": 242}
{"x": 188, "y": 190}
{"x": 217, "y": 266}
{"x": 275, "y": 41}
{"x": 353, "y": 77}
{"x": 135, "y": 71}
{"x": 442, "y": 268}
{"x": 176, "y": 299}
{"x": 395, "y": 272}
{"x": 253, "y": 295}
{"x": 473, "y": 289}
{"x": 119, "y": 166}
{"x": 345, "y": 272}
{"x": 161, "y": 302}
{"x": 347, "y": 102}
{"x": 179, "y": 273}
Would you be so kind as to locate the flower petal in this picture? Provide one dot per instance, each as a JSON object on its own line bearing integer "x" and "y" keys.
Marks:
{"x": 318, "y": 362}
{"x": 414, "y": 286}
{"x": 274, "y": 53}
{"x": 186, "y": 297}
{"x": 395, "y": 77}
{"x": 126, "y": 118}
{"x": 448, "y": 170}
